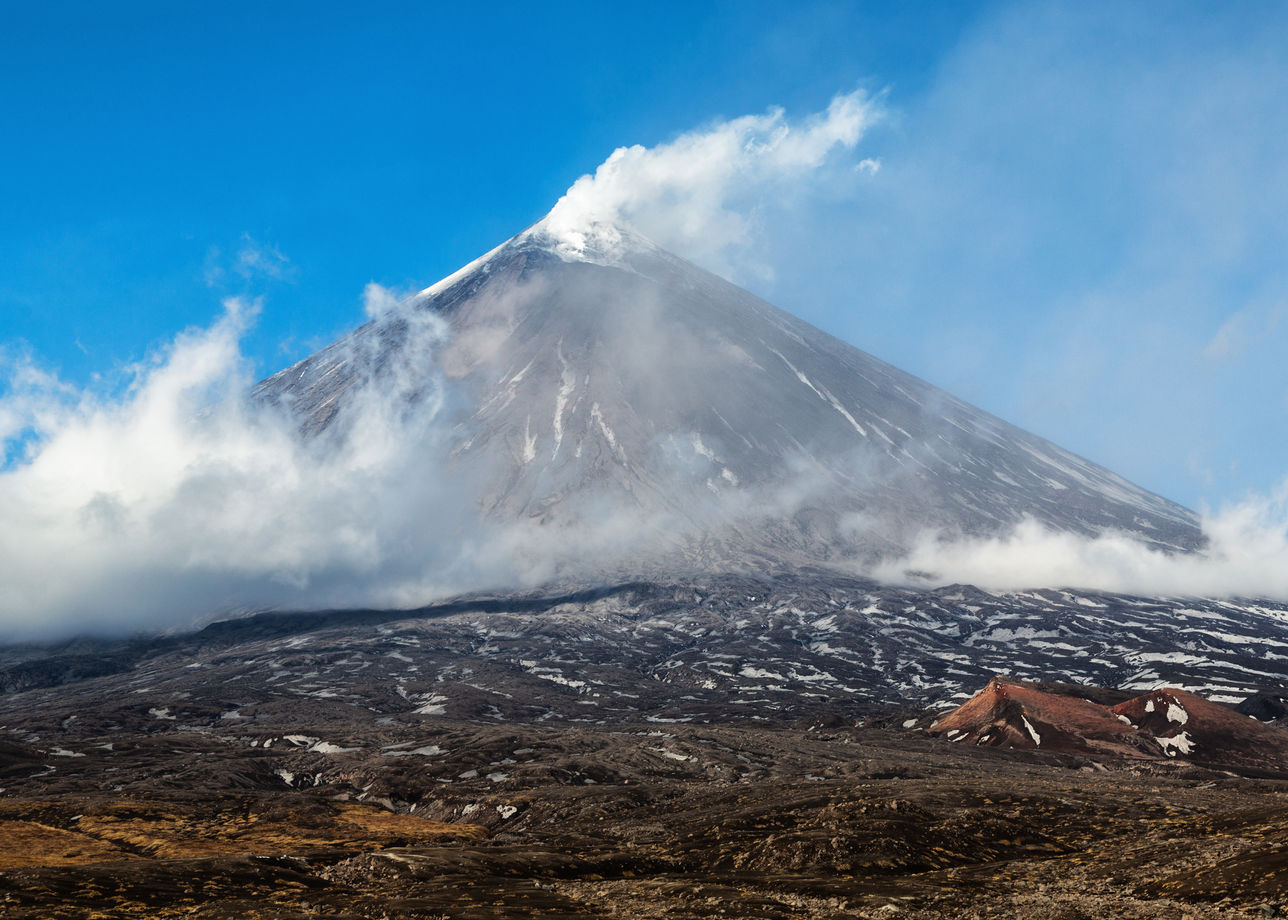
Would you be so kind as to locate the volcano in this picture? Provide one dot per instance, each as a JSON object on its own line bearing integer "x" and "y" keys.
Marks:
{"x": 595, "y": 377}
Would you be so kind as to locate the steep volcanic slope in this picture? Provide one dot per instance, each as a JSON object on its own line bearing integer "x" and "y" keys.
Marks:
{"x": 619, "y": 379}
{"x": 1167, "y": 722}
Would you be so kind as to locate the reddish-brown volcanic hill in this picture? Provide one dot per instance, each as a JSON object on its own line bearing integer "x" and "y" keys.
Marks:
{"x": 1164, "y": 723}
{"x": 1006, "y": 714}
{"x": 1187, "y": 725}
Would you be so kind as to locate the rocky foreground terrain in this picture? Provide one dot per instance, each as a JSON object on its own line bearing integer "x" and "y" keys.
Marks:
{"x": 726, "y": 748}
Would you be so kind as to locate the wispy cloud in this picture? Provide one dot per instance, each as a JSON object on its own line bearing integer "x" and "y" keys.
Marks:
{"x": 377, "y": 300}
{"x": 255, "y": 259}
{"x": 1244, "y": 329}
{"x": 251, "y": 261}
{"x": 1103, "y": 209}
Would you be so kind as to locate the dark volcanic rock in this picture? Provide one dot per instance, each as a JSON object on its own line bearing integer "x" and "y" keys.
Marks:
{"x": 1267, "y": 706}
{"x": 59, "y": 669}
{"x": 803, "y": 645}
{"x": 648, "y": 820}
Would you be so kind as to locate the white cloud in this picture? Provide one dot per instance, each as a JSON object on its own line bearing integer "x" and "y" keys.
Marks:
{"x": 699, "y": 195}
{"x": 176, "y": 498}
{"x": 181, "y": 498}
{"x": 1246, "y": 556}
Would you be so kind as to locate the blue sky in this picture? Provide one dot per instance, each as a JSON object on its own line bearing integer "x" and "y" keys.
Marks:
{"x": 1078, "y": 222}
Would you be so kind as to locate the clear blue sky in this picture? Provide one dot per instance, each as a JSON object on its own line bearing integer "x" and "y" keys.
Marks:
{"x": 1078, "y": 224}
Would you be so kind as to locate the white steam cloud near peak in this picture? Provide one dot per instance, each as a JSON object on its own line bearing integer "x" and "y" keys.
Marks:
{"x": 698, "y": 195}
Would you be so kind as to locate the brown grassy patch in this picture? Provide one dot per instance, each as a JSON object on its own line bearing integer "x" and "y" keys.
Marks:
{"x": 377, "y": 822}
{"x": 51, "y": 834}
{"x": 28, "y": 843}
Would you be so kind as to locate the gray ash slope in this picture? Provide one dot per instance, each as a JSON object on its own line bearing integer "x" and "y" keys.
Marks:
{"x": 616, "y": 379}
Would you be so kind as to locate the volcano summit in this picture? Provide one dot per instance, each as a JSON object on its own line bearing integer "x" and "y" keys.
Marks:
{"x": 595, "y": 383}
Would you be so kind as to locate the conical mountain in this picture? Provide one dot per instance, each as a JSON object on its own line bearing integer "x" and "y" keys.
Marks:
{"x": 599, "y": 378}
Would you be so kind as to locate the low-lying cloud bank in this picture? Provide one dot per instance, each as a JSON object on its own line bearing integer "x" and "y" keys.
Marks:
{"x": 1246, "y": 556}
{"x": 179, "y": 496}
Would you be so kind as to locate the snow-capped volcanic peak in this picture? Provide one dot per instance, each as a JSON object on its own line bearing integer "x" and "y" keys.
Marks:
{"x": 595, "y": 377}
{"x": 596, "y": 241}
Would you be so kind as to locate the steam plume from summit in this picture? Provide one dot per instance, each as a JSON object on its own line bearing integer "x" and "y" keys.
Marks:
{"x": 699, "y": 193}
